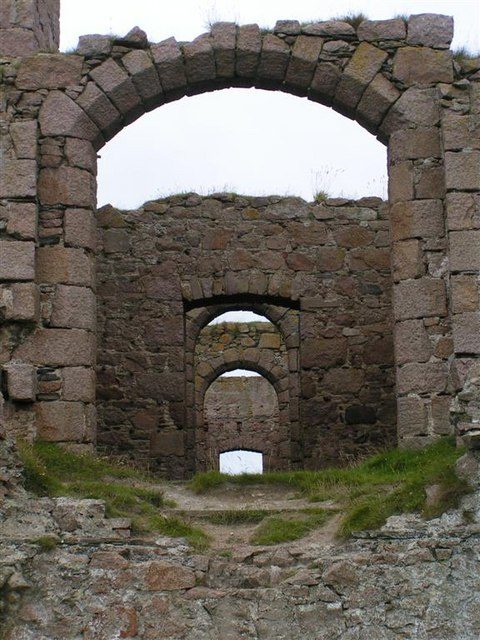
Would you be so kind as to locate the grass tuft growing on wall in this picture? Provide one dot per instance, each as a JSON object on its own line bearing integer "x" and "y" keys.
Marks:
{"x": 367, "y": 493}
{"x": 49, "y": 470}
{"x": 352, "y": 18}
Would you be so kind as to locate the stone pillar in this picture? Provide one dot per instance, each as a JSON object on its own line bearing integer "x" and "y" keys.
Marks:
{"x": 29, "y": 26}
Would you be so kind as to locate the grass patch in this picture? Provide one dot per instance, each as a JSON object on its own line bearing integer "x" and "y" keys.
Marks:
{"x": 460, "y": 54}
{"x": 236, "y": 516}
{"x": 351, "y": 18}
{"x": 370, "y": 491}
{"x": 49, "y": 470}
{"x": 47, "y": 543}
{"x": 277, "y": 529}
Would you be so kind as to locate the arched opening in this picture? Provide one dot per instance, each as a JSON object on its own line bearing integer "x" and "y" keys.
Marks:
{"x": 241, "y": 461}
{"x": 242, "y": 412}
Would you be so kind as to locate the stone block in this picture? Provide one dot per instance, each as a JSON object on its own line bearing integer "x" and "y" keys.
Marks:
{"x": 61, "y": 116}
{"x": 460, "y": 132}
{"x": 413, "y": 144}
{"x": 464, "y": 293}
{"x": 93, "y": 45}
{"x": 67, "y": 186}
{"x": 17, "y": 260}
{"x": 80, "y": 153}
{"x": 224, "y": 36}
{"x": 118, "y": 86}
{"x": 463, "y": 210}
{"x": 74, "y": 307}
{"x": 270, "y": 341}
{"x": 329, "y": 28}
{"x": 376, "y": 100}
{"x": 168, "y": 59}
{"x": 343, "y": 380}
{"x": 22, "y": 220}
{"x": 18, "y": 179}
{"x": 465, "y": 250}
{"x": 80, "y": 228}
{"x": 23, "y": 302}
{"x": 78, "y": 384}
{"x": 359, "y": 72}
{"x": 49, "y": 71}
{"x": 58, "y": 347}
{"x": 330, "y": 258}
{"x": 365, "y": 258}
{"x": 429, "y": 182}
{"x": 325, "y": 81}
{"x": 140, "y": 66}
{"x": 462, "y": 170}
{"x": 165, "y": 576}
{"x": 24, "y": 138}
{"x": 421, "y": 298}
{"x": 400, "y": 182}
{"x": 412, "y": 343}
{"x": 63, "y": 265}
{"x": 61, "y": 421}
{"x": 412, "y": 416}
{"x": 199, "y": 61}
{"x": 21, "y": 382}
{"x": 249, "y": 45}
{"x": 466, "y": 332}
{"x": 287, "y": 27}
{"x": 323, "y": 352}
{"x": 429, "y": 377}
{"x": 441, "y": 419}
{"x": 407, "y": 260}
{"x": 416, "y": 106}
{"x": 430, "y": 30}
{"x": 100, "y": 110}
{"x": 274, "y": 58}
{"x": 116, "y": 241}
{"x": 417, "y": 219}
{"x": 17, "y": 42}
{"x": 303, "y": 61}
{"x": 352, "y": 236}
{"x": 422, "y": 66}
{"x": 379, "y": 30}
{"x": 168, "y": 443}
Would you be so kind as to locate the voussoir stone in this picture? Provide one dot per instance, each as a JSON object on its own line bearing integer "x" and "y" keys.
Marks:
{"x": 249, "y": 45}
{"x": 430, "y": 30}
{"x": 118, "y": 86}
{"x": 273, "y": 58}
{"x": 224, "y": 35}
{"x": 61, "y": 116}
{"x": 303, "y": 61}
{"x": 199, "y": 60}
{"x": 140, "y": 66}
{"x": 376, "y": 100}
{"x": 168, "y": 59}
{"x": 49, "y": 71}
{"x": 359, "y": 72}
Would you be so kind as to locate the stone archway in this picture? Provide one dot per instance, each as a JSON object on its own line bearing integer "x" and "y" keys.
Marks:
{"x": 396, "y": 79}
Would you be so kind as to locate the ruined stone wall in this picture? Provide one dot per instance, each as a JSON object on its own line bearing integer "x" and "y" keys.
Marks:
{"x": 330, "y": 260}
{"x": 28, "y": 26}
{"x": 242, "y": 413}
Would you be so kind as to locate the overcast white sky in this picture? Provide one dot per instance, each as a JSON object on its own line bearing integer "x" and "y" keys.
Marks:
{"x": 248, "y": 141}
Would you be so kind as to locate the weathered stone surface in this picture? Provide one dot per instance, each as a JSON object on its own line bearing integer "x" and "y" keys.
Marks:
{"x": 376, "y": 100}
{"x": 80, "y": 228}
{"x": 165, "y": 576}
{"x": 441, "y": 418}
{"x": 73, "y": 307}
{"x": 303, "y": 61}
{"x": 422, "y": 66}
{"x": 430, "y": 30}
{"x": 400, "y": 183}
{"x": 224, "y": 36}
{"x": 18, "y": 179}
{"x": 93, "y": 45}
{"x": 359, "y": 72}
{"x": 249, "y": 45}
{"x": 168, "y": 443}
{"x": 24, "y": 138}
{"x": 460, "y": 132}
{"x": 415, "y": 106}
{"x": 412, "y": 417}
{"x": 412, "y": 343}
{"x": 462, "y": 170}
{"x": 22, "y": 220}
{"x": 62, "y": 265}
{"x": 60, "y": 421}
{"x": 413, "y": 144}
{"x": 168, "y": 59}
{"x": 49, "y": 71}
{"x": 17, "y": 42}
{"x": 21, "y": 382}
{"x": 61, "y": 116}
{"x": 116, "y": 240}
{"x": 419, "y": 298}
{"x": 199, "y": 60}
{"x": 99, "y": 108}
{"x": 422, "y": 378}
{"x": 407, "y": 260}
{"x": 136, "y": 37}
{"x": 78, "y": 384}
{"x": 274, "y": 58}
{"x": 118, "y": 86}
{"x": 325, "y": 81}
{"x": 417, "y": 219}
{"x": 66, "y": 185}
{"x": 379, "y": 30}
{"x": 463, "y": 210}
{"x": 466, "y": 332}
{"x": 329, "y": 28}
{"x": 287, "y": 27}
{"x": 464, "y": 293}
{"x": 80, "y": 153}
{"x": 465, "y": 250}
{"x": 324, "y": 352}
{"x": 144, "y": 75}
{"x": 64, "y": 347}
{"x": 17, "y": 260}
{"x": 20, "y": 301}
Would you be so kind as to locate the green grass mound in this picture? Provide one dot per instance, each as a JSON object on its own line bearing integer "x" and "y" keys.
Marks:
{"x": 277, "y": 528}
{"x": 49, "y": 470}
{"x": 367, "y": 493}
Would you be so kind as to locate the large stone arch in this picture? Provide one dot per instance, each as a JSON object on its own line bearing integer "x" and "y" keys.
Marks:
{"x": 396, "y": 79}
